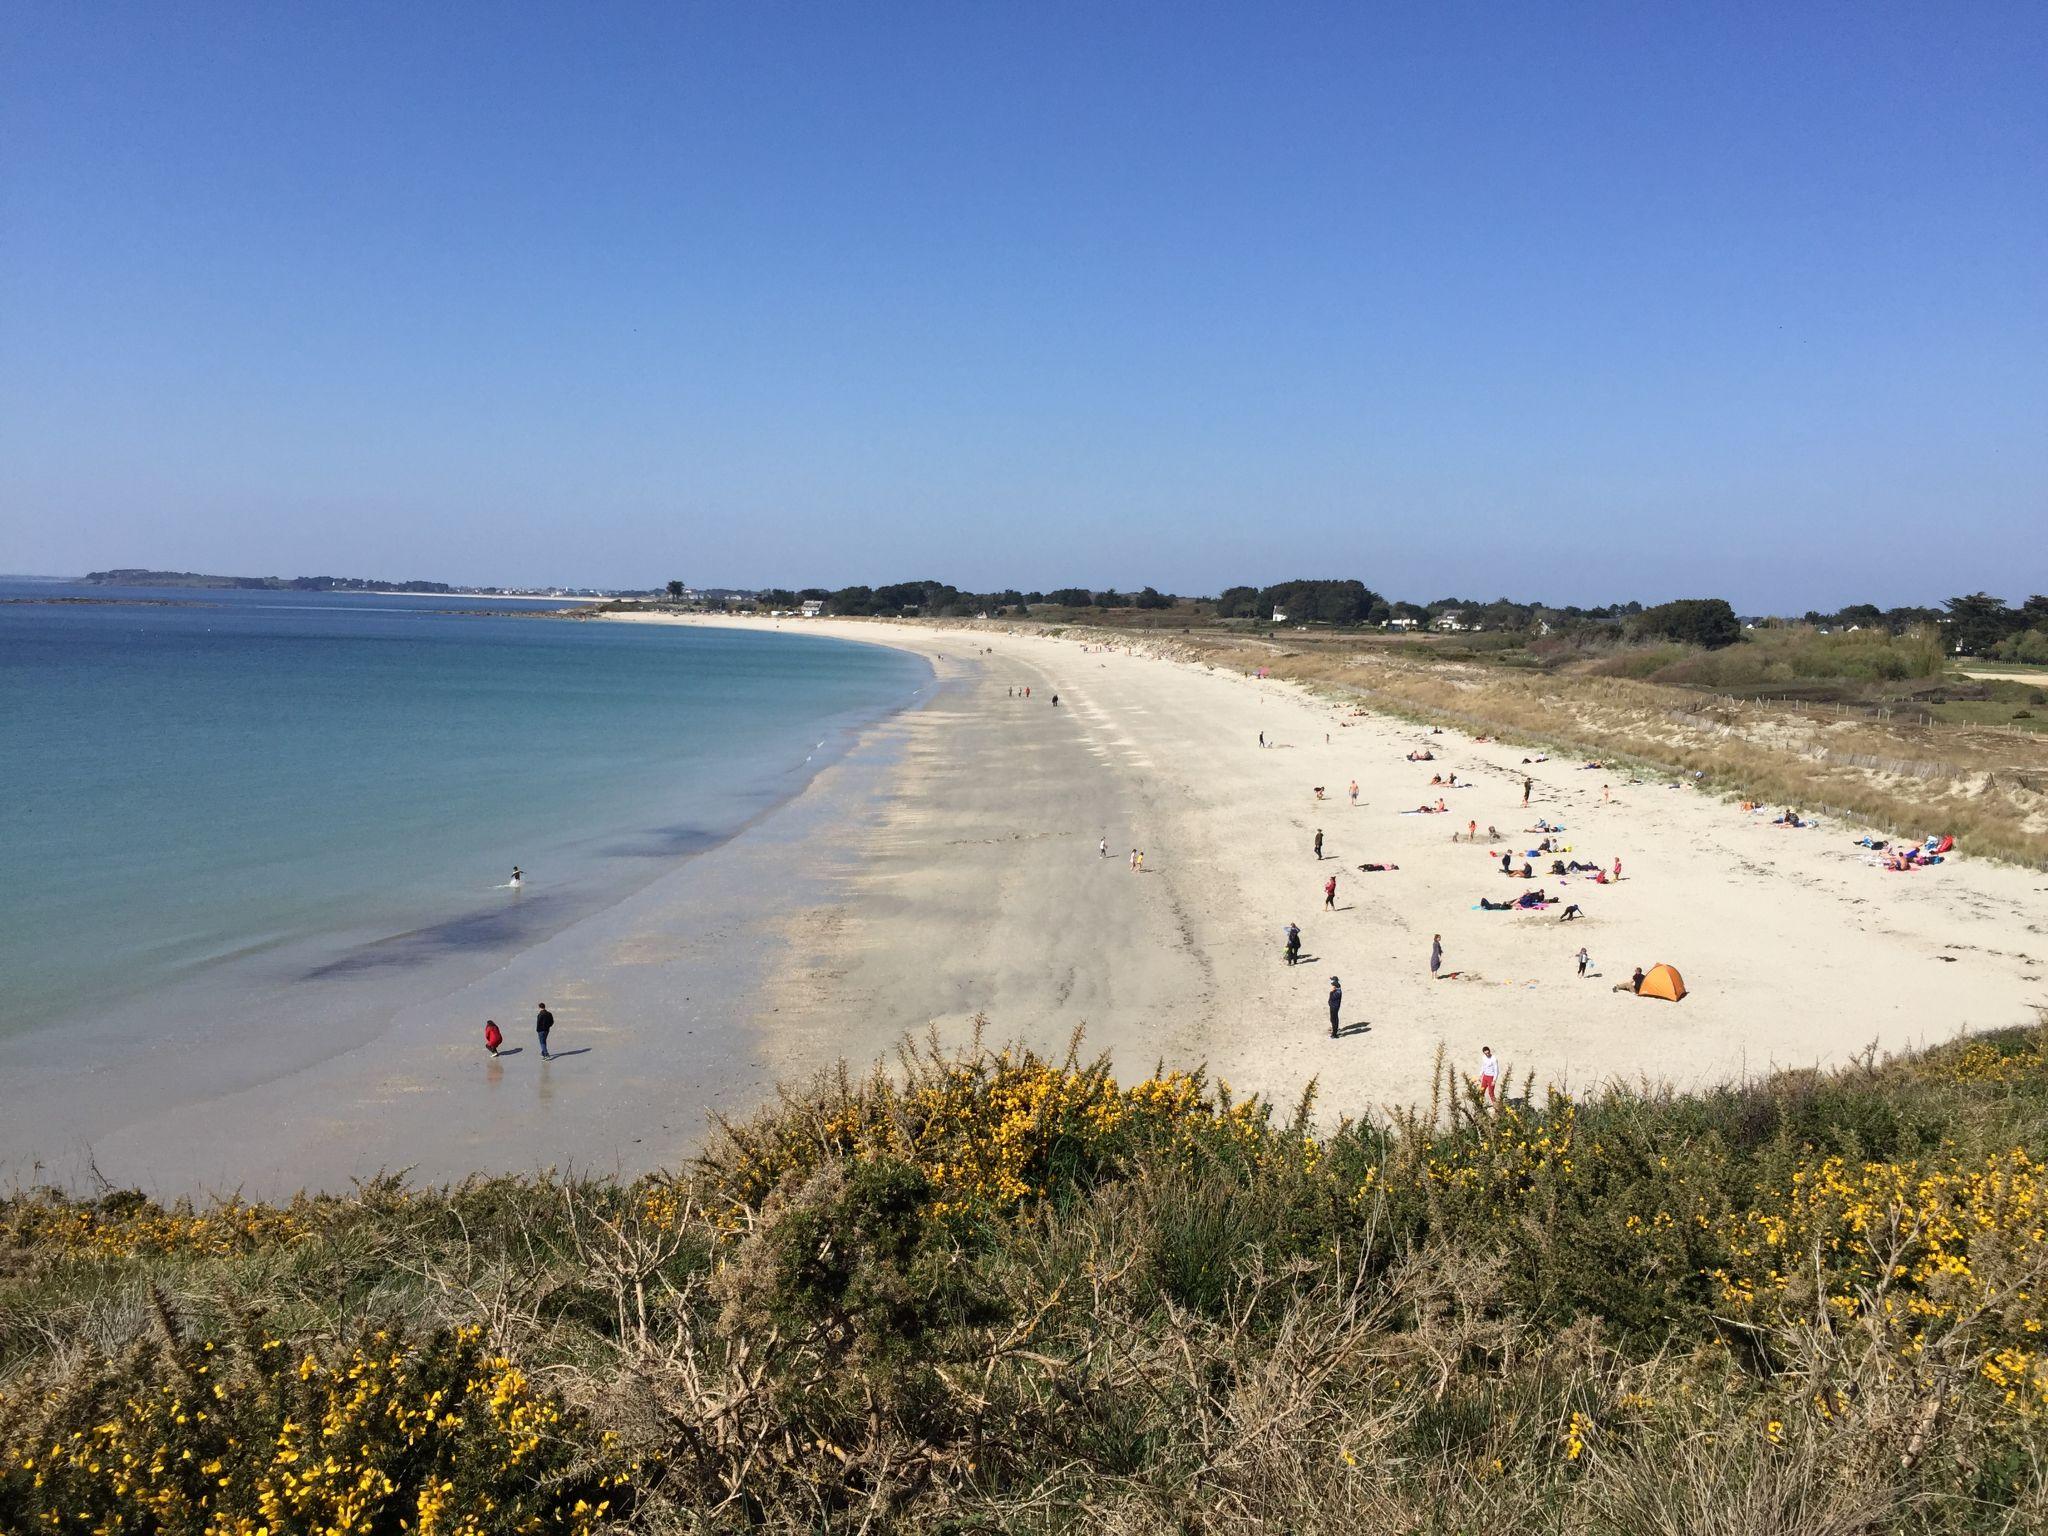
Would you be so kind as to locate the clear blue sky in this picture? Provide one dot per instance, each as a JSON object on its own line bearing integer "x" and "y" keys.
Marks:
{"x": 1564, "y": 302}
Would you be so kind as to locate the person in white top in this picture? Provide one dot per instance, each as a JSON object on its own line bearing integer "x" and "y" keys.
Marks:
{"x": 1103, "y": 848}
{"x": 1489, "y": 1072}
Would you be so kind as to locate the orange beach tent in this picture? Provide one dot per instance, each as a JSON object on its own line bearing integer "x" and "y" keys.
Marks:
{"x": 1663, "y": 982}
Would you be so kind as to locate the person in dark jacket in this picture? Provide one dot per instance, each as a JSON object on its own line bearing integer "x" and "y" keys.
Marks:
{"x": 542, "y": 1023}
{"x": 1336, "y": 1004}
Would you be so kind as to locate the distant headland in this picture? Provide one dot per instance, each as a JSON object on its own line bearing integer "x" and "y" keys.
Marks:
{"x": 135, "y": 577}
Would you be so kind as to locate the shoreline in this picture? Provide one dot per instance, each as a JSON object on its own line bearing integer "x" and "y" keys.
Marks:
{"x": 166, "y": 1091}
{"x": 1796, "y": 953}
{"x": 945, "y": 868}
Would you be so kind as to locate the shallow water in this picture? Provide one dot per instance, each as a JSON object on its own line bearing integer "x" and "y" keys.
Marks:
{"x": 214, "y": 798}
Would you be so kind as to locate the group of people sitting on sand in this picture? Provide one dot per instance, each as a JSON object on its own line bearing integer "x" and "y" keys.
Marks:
{"x": 1424, "y": 756}
{"x": 1790, "y": 818}
{"x": 1451, "y": 782}
{"x": 1900, "y": 857}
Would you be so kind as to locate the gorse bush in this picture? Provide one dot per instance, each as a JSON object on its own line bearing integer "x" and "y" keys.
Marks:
{"x": 991, "y": 1290}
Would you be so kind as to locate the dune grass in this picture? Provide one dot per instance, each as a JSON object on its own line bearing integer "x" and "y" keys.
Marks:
{"x": 986, "y": 1290}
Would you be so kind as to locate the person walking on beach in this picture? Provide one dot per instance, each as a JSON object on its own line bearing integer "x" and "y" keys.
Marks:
{"x": 1336, "y": 1004}
{"x": 1354, "y": 794}
{"x": 1330, "y": 894}
{"x": 542, "y": 1023}
{"x": 1319, "y": 844}
{"x": 1489, "y": 1073}
{"x": 1471, "y": 831}
{"x": 1436, "y": 954}
{"x": 1527, "y": 784}
{"x": 493, "y": 1036}
{"x": 1102, "y": 848}
{"x": 1617, "y": 869}
{"x": 1294, "y": 943}
{"x": 1584, "y": 960}
{"x": 1141, "y": 861}
{"x": 1262, "y": 738}
{"x": 1134, "y": 861}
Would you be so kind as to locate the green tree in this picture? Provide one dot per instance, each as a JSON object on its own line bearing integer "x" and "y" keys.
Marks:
{"x": 675, "y": 591}
{"x": 1704, "y": 621}
{"x": 1976, "y": 623}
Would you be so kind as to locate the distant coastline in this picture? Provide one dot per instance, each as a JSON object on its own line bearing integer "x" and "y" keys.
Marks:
{"x": 136, "y": 576}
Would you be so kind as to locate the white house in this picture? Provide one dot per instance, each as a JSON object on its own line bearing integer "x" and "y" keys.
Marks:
{"x": 1402, "y": 624}
{"x": 1279, "y": 615}
{"x": 813, "y": 607}
{"x": 1451, "y": 618}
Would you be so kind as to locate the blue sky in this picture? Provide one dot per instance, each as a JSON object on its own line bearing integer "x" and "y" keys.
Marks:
{"x": 1563, "y": 302}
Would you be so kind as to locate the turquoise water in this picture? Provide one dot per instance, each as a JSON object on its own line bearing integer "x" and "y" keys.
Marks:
{"x": 272, "y": 787}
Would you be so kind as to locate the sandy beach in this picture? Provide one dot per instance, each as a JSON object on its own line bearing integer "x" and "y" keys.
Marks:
{"x": 948, "y": 867}
{"x": 981, "y": 890}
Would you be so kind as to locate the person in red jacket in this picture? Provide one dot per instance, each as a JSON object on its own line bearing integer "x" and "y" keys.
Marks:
{"x": 1330, "y": 893}
{"x": 493, "y": 1036}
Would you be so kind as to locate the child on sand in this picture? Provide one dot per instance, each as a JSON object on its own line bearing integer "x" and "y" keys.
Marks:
{"x": 1489, "y": 1072}
{"x": 1584, "y": 960}
{"x": 493, "y": 1036}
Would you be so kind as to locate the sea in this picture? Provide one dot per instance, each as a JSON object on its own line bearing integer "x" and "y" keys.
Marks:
{"x": 210, "y": 796}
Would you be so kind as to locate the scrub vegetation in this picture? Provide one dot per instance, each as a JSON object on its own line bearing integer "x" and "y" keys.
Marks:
{"x": 985, "y": 1290}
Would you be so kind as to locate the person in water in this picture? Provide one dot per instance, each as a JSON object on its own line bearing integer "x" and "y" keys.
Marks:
{"x": 516, "y": 877}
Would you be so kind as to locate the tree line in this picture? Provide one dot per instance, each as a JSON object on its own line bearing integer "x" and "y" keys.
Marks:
{"x": 1976, "y": 625}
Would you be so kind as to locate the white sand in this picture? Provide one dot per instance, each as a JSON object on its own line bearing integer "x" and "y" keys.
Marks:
{"x": 982, "y": 891}
{"x": 972, "y": 885}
